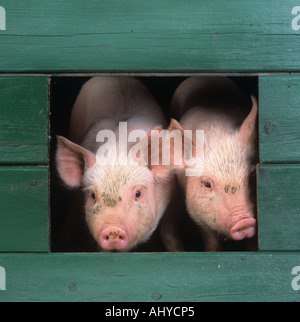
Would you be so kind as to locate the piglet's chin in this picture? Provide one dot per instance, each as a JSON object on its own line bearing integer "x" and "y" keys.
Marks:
{"x": 245, "y": 228}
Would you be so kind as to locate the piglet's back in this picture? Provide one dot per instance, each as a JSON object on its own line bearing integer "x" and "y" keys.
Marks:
{"x": 202, "y": 102}
{"x": 117, "y": 99}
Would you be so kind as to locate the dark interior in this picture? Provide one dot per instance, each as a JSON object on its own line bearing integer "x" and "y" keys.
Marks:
{"x": 63, "y": 92}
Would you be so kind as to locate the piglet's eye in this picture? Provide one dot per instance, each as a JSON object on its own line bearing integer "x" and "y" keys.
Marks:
{"x": 138, "y": 193}
{"x": 206, "y": 184}
{"x": 93, "y": 195}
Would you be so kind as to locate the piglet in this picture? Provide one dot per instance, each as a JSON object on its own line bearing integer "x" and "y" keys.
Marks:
{"x": 107, "y": 158}
{"x": 218, "y": 194}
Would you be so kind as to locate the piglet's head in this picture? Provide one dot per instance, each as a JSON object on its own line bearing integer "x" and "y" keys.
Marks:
{"x": 123, "y": 202}
{"x": 219, "y": 196}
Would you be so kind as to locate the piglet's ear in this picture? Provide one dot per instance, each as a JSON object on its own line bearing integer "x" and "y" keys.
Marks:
{"x": 183, "y": 146}
{"x": 72, "y": 160}
{"x": 176, "y": 145}
{"x": 247, "y": 129}
{"x": 148, "y": 152}
{"x": 155, "y": 161}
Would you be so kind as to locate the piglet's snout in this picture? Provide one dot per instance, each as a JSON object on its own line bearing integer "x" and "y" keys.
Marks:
{"x": 244, "y": 228}
{"x": 114, "y": 238}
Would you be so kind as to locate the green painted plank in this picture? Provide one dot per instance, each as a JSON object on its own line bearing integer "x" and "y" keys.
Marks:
{"x": 279, "y": 118}
{"x": 24, "y": 209}
{"x": 162, "y": 277}
{"x": 278, "y": 201}
{"x": 23, "y": 119}
{"x": 156, "y": 36}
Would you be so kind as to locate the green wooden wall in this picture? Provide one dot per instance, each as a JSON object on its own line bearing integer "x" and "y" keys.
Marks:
{"x": 24, "y": 119}
{"x": 279, "y": 172}
{"x": 163, "y": 277}
{"x": 42, "y": 39}
{"x": 149, "y": 36}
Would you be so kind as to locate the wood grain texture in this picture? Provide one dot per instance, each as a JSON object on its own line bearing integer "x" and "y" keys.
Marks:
{"x": 24, "y": 209}
{"x": 163, "y": 277}
{"x": 279, "y": 118}
{"x": 23, "y": 119}
{"x": 149, "y": 36}
{"x": 278, "y": 201}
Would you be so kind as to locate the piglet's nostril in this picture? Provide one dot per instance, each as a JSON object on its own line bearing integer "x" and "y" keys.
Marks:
{"x": 114, "y": 238}
{"x": 245, "y": 228}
